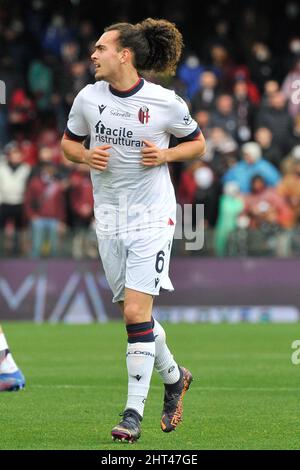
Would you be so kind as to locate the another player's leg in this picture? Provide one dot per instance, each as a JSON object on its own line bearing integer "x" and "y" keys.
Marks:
{"x": 140, "y": 361}
{"x": 11, "y": 378}
{"x": 176, "y": 379}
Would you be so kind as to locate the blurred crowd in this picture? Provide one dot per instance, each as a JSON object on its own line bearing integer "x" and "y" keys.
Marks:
{"x": 245, "y": 98}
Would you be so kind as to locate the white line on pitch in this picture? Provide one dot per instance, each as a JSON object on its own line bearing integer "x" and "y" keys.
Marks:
{"x": 204, "y": 389}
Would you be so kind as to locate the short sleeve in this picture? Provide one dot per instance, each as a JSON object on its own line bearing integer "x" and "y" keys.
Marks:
{"x": 181, "y": 124}
{"x": 77, "y": 127}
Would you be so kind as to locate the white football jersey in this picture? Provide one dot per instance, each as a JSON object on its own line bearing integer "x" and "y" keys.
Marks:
{"x": 129, "y": 196}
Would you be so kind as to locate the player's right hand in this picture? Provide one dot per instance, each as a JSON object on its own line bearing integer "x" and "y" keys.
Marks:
{"x": 97, "y": 158}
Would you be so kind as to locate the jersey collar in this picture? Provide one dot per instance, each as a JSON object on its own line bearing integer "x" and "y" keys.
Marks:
{"x": 131, "y": 91}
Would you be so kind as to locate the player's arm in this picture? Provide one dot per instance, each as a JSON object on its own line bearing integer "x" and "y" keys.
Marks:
{"x": 75, "y": 151}
{"x": 75, "y": 134}
{"x": 154, "y": 156}
{"x": 187, "y": 150}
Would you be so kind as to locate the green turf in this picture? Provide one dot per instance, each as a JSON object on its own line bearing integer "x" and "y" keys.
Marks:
{"x": 245, "y": 394}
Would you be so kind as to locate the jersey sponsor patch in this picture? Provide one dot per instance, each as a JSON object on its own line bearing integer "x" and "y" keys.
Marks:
{"x": 187, "y": 119}
{"x": 116, "y": 136}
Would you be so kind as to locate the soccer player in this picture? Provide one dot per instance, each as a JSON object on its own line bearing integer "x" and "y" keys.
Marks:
{"x": 130, "y": 121}
{"x": 11, "y": 378}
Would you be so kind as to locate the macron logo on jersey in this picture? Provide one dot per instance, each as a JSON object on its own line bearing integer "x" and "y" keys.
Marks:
{"x": 101, "y": 108}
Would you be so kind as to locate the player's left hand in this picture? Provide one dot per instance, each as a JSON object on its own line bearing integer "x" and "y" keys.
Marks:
{"x": 152, "y": 155}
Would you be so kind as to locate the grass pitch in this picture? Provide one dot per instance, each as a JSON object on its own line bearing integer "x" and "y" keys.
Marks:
{"x": 245, "y": 393}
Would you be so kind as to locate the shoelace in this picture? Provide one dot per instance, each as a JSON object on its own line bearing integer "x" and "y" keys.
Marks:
{"x": 129, "y": 418}
{"x": 171, "y": 399}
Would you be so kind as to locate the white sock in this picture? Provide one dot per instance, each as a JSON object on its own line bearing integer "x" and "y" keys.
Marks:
{"x": 8, "y": 365}
{"x": 3, "y": 343}
{"x": 140, "y": 361}
{"x": 164, "y": 363}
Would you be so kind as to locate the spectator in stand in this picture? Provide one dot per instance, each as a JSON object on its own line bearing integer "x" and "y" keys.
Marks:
{"x": 70, "y": 52}
{"x": 231, "y": 205}
{"x": 86, "y": 36}
{"x": 13, "y": 178}
{"x": 296, "y": 131}
{"x": 221, "y": 151}
{"x": 82, "y": 207}
{"x": 225, "y": 116}
{"x": 190, "y": 72}
{"x": 270, "y": 87}
{"x": 219, "y": 34}
{"x": 17, "y": 44}
{"x": 244, "y": 111}
{"x": 198, "y": 185}
{"x": 276, "y": 118}
{"x": 289, "y": 187}
{"x": 45, "y": 155}
{"x": 266, "y": 207}
{"x": 251, "y": 165}
{"x": 291, "y": 88}
{"x": 40, "y": 81}
{"x": 21, "y": 112}
{"x": 293, "y": 49}
{"x": 271, "y": 151}
{"x": 262, "y": 64}
{"x": 56, "y": 34}
{"x": 204, "y": 98}
{"x": 242, "y": 74}
{"x": 63, "y": 80}
{"x": 251, "y": 23}
{"x": 203, "y": 119}
{"x": 80, "y": 76}
{"x": 28, "y": 150}
{"x": 288, "y": 163}
{"x": 50, "y": 138}
{"x": 223, "y": 66}
{"x": 46, "y": 209}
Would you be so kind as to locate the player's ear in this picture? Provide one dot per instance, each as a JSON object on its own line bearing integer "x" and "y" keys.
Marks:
{"x": 125, "y": 55}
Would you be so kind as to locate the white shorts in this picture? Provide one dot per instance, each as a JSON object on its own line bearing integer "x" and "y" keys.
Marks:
{"x": 141, "y": 264}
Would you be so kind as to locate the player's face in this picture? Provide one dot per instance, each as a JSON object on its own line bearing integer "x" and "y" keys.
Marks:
{"x": 107, "y": 56}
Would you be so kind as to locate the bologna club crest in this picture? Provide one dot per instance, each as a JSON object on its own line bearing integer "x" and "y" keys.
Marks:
{"x": 144, "y": 115}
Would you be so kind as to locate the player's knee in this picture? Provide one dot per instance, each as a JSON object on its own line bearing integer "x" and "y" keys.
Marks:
{"x": 134, "y": 313}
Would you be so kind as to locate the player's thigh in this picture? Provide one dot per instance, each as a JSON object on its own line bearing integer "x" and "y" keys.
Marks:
{"x": 147, "y": 264}
{"x": 137, "y": 306}
{"x": 113, "y": 257}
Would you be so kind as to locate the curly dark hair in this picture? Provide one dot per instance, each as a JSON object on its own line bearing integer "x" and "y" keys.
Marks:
{"x": 156, "y": 44}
